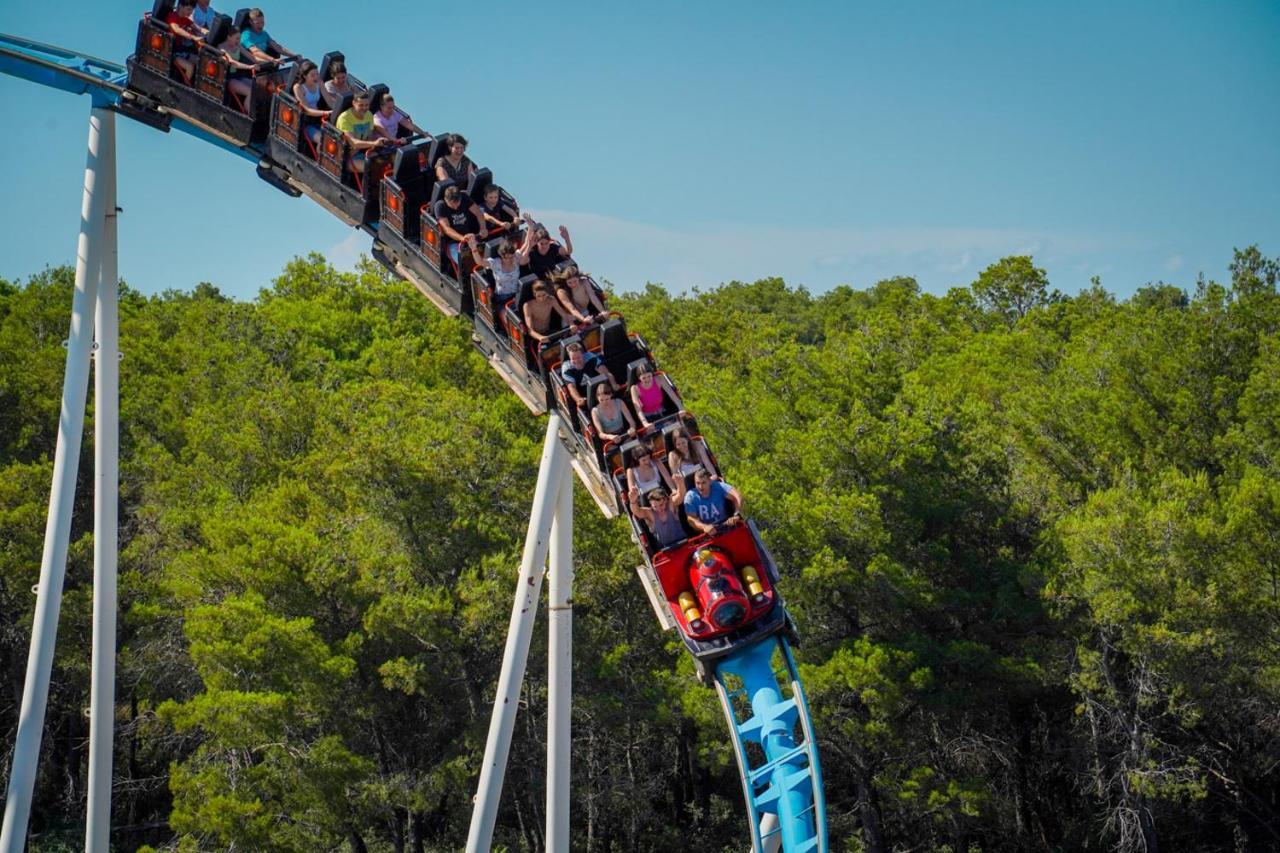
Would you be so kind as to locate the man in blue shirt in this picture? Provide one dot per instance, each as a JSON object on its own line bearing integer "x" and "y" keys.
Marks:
{"x": 256, "y": 40}
{"x": 708, "y": 505}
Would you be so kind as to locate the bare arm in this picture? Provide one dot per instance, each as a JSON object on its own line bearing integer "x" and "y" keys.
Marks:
{"x": 479, "y": 215}
{"x": 562, "y": 295}
{"x": 641, "y": 512}
{"x": 567, "y": 249}
{"x": 477, "y": 254}
{"x": 179, "y": 30}
{"x": 283, "y": 51}
{"x": 302, "y": 102}
{"x": 635, "y": 399}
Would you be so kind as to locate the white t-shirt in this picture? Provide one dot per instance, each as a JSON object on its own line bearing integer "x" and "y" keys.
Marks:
{"x": 204, "y": 19}
{"x": 506, "y": 284}
{"x": 389, "y": 126}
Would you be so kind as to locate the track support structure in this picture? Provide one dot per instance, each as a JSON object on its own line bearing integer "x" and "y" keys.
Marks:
{"x": 550, "y": 534}
{"x": 95, "y": 294}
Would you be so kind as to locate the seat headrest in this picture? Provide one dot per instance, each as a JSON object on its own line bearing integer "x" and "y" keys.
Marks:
{"x": 161, "y": 9}
{"x": 437, "y": 192}
{"x": 241, "y": 19}
{"x": 593, "y": 383}
{"x": 480, "y": 181}
{"x": 376, "y": 91}
{"x": 344, "y": 104}
{"x": 327, "y": 60}
{"x": 218, "y": 32}
{"x": 634, "y": 367}
{"x": 564, "y": 346}
{"x": 406, "y": 165}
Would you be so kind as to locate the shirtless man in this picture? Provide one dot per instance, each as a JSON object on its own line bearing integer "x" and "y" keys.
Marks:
{"x": 538, "y": 311}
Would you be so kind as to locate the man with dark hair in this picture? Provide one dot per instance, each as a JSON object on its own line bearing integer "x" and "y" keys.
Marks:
{"x": 259, "y": 43}
{"x": 662, "y": 514}
{"x": 458, "y": 216}
{"x": 709, "y": 504}
{"x": 580, "y": 366}
{"x": 357, "y": 125}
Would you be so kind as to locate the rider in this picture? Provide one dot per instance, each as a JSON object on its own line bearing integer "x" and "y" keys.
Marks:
{"x": 707, "y": 506}
{"x": 259, "y": 43}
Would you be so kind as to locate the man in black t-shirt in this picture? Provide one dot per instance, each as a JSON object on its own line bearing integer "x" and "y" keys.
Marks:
{"x": 581, "y": 366}
{"x": 458, "y": 216}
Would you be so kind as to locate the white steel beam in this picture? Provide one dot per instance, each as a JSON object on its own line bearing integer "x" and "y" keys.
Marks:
{"x": 551, "y": 476}
{"x": 560, "y": 669}
{"x": 66, "y": 463}
{"x": 106, "y": 492}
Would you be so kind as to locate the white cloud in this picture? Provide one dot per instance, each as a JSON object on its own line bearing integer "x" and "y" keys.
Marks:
{"x": 343, "y": 255}
{"x": 703, "y": 255}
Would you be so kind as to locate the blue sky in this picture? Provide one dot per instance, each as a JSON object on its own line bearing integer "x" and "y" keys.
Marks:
{"x": 829, "y": 143}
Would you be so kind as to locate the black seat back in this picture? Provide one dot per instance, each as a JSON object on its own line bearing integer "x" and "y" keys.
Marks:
{"x": 242, "y": 19}
{"x": 376, "y": 91}
{"x": 326, "y": 63}
{"x": 479, "y": 182}
{"x": 218, "y": 32}
{"x": 593, "y": 383}
{"x": 437, "y": 192}
{"x": 161, "y": 10}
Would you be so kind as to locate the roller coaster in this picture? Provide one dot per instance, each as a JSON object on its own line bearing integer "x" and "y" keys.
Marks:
{"x": 711, "y": 579}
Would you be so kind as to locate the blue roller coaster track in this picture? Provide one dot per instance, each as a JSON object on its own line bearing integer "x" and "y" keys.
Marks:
{"x": 757, "y": 681}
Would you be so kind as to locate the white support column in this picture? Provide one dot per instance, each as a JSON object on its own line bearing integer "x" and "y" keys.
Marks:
{"x": 560, "y": 669}
{"x": 551, "y": 476}
{"x": 66, "y": 462}
{"x": 106, "y": 491}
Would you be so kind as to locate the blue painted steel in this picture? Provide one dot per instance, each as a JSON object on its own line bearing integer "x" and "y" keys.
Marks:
{"x": 200, "y": 133}
{"x": 788, "y": 781}
{"x": 62, "y": 69}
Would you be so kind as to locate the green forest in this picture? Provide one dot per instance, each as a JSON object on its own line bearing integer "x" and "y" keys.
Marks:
{"x": 1031, "y": 542}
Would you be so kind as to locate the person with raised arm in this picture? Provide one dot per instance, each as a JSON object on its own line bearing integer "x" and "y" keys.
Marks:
{"x": 308, "y": 93}
{"x": 538, "y": 312}
{"x": 357, "y": 125}
{"x": 708, "y": 505}
{"x": 455, "y": 166}
{"x": 544, "y": 253}
{"x": 662, "y": 515}
{"x": 505, "y": 270}
{"x": 611, "y": 419}
{"x": 259, "y": 42}
{"x": 578, "y": 297}
{"x": 387, "y": 121}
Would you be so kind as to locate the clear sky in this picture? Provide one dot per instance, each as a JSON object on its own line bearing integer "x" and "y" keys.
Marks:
{"x": 826, "y": 142}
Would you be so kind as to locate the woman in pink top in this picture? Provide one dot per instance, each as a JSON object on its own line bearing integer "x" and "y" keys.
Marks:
{"x": 647, "y": 395}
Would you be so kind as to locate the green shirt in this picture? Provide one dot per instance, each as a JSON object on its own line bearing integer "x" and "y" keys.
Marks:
{"x": 360, "y": 128}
